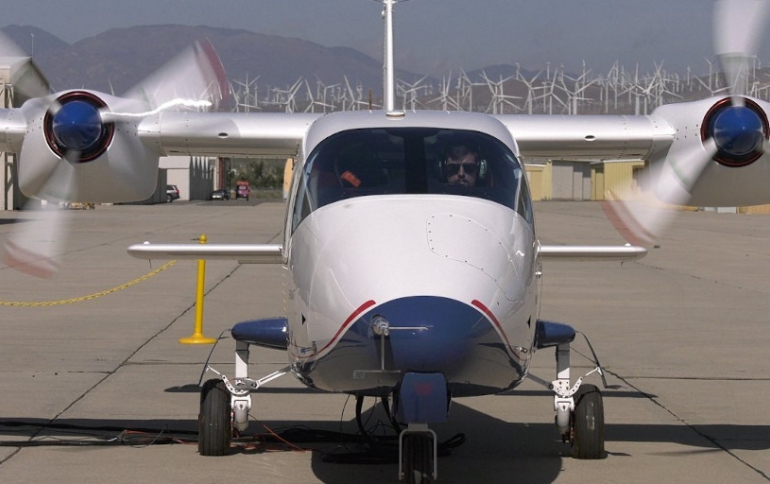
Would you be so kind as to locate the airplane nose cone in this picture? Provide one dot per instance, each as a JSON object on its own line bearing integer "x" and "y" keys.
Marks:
{"x": 427, "y": 333}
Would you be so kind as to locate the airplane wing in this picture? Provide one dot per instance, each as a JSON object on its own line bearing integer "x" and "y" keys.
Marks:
{"x": 115, "y": 169}
{"x": 140, "y": 138}
{"x": 600, "y": 137}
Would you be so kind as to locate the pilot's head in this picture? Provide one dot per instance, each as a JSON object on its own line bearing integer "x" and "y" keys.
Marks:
{"x": 461, "y": 165}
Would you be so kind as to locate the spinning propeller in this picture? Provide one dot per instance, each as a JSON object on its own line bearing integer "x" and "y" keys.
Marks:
{"x": 82, "y": 146}
{"x": 733, "y": 132}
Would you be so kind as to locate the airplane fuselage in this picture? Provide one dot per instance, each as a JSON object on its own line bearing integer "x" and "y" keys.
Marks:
{"x": 377, "y": 235}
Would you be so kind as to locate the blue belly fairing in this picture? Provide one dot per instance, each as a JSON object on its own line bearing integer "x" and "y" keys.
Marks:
{"x": 444, "y": 336}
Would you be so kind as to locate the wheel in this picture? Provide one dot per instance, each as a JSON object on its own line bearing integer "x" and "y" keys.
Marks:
{"x": 169, "y": 199}
{"x": 214, "y": 419}
{"x": 418, "y": 459}
{"x": 587, "y": 423}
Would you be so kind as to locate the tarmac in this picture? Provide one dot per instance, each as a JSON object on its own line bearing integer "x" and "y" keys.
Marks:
{"x": 98, "y": 389}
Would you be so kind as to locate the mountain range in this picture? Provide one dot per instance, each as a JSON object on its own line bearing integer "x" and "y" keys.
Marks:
{"x": 117, "y": 59}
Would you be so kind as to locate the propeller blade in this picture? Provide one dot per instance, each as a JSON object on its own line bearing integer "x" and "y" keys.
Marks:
{"x": 34, "y": 246}
{"x": 26, "y": 83}
{"x": 678, "y": 174}
{"x": 641, "y": 216}
{"x": 194, "y": 79}
{"x": 738, "y": 26}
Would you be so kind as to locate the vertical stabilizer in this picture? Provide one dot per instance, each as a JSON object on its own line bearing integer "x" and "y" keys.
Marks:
{"x": 389, "y": 75}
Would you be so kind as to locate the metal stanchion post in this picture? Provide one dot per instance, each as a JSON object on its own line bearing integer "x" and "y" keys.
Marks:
{"x": 197, "y": 337}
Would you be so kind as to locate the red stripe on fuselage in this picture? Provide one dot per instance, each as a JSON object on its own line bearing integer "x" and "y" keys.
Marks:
{"x": 479, "y": 305}
{"x": 353, "y": 316}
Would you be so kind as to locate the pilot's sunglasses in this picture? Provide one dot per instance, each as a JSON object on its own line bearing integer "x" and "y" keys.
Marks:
{"x": 454, "y": 168}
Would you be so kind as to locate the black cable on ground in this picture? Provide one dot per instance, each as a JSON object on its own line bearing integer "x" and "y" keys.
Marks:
{"x": 382, "y": 449}
{"x": 143, "y": 436}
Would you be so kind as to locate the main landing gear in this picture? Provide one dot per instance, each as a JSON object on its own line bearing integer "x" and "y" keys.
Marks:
{"x": 579, "y": 407}
{"x": 225, "y": 404}
{"x": 419, "y": 400}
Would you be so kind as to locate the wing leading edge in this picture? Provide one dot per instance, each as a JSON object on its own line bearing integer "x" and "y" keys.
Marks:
{"x": 537, "y": 136}
{"x": 226, "y": 134}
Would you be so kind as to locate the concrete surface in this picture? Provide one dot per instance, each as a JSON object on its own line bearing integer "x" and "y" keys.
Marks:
{"x": 683, "y": 332}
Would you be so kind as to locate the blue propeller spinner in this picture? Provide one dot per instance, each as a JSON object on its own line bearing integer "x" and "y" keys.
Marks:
{"x": 738, "y": 131}
{"x": 76, "y": 128}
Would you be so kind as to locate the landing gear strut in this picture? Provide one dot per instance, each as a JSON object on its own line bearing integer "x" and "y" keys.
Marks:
{"x": 579, "y": 408}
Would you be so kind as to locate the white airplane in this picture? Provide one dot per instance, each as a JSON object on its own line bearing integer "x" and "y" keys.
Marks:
{"x": 401, "y": 283}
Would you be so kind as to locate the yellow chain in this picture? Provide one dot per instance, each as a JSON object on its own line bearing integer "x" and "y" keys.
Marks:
{"x": 32, "y": 304}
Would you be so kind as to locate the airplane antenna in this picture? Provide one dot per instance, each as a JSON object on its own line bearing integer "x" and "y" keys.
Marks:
{"x": 389, "y": 79}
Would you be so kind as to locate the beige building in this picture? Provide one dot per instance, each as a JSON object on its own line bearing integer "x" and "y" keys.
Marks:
{"x": 580, "y": 180}
{"x": 193, "y": 175}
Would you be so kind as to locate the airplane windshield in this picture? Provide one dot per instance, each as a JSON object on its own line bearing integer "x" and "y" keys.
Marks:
{"x": 379, "y": 161}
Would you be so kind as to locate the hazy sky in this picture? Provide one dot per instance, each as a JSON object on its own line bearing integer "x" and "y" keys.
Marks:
{"x": 432, "y": 35}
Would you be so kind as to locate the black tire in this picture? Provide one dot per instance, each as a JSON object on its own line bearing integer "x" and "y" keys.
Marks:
{"x": 418, "y": 459}
{"x": 214, "y": 419}
{"x": 169, "y": 199}
{"x": 587, "y": 422}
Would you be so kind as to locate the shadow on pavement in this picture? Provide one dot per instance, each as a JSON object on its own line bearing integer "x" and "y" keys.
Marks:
{"x": 495, "y": 451}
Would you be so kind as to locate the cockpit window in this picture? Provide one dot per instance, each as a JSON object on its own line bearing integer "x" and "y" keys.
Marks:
{"x": 380, "y": 161}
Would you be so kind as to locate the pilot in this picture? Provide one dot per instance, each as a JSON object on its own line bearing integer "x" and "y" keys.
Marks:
{"x": 461, "y": 165}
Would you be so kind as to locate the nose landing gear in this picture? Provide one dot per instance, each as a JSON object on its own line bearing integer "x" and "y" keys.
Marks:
{"x": 422, "y": 398}
{"x": 418, "y": 455}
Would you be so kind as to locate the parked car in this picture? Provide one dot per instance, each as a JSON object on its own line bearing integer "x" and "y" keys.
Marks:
{"x": 242, "y": 192}
{"x": 172, "y": 193}
{"x": 221, "y": 194}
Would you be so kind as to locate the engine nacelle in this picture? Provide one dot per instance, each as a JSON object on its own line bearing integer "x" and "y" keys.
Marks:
{"x": 721, "y": 159}
{"x": 77, "y": 149}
